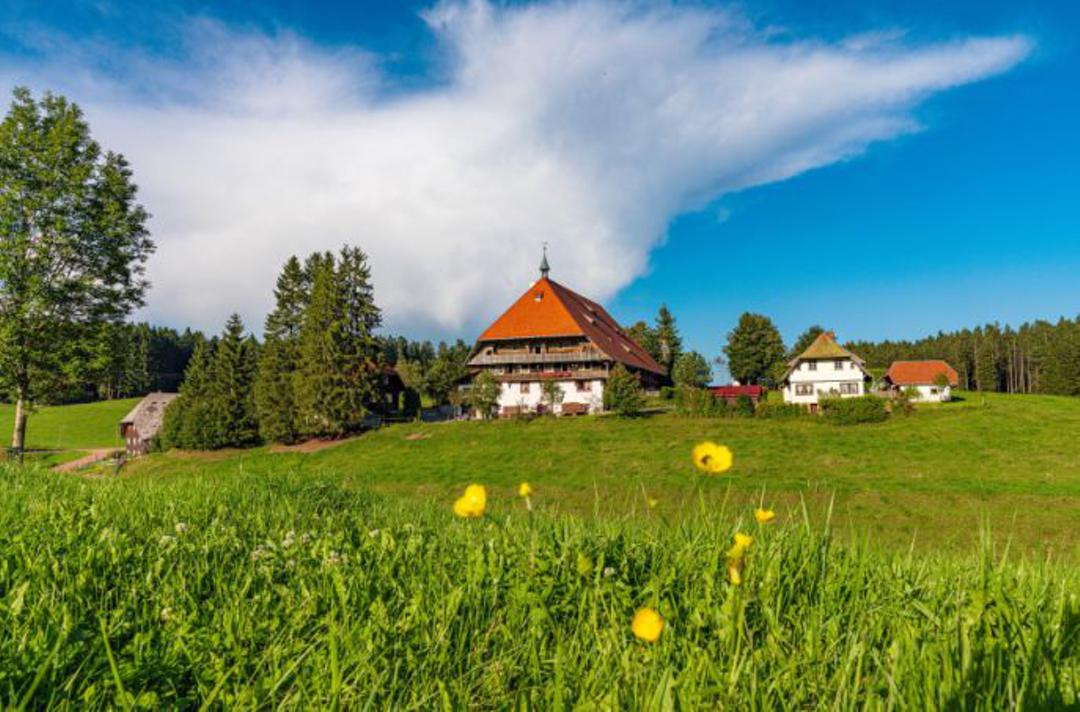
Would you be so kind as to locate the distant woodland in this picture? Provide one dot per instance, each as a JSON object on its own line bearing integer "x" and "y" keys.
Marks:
{"x": 1036, "y": 357}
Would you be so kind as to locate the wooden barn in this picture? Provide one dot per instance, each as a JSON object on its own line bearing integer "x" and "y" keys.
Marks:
{"x": 144, "y": 421}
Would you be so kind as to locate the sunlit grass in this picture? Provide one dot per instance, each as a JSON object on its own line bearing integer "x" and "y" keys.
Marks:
{"x": 299, "y": 589}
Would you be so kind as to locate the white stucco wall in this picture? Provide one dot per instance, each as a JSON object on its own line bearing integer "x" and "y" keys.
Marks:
{"x": 932, "y": 394}
{"x": 511, "y": 395}
{"x": 825, "y": 380}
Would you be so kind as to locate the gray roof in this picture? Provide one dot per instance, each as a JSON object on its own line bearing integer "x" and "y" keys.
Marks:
{"x": 149, "y": 413}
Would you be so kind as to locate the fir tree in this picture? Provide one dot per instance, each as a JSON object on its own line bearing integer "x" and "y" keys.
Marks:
{"x": 691, "y": 369}
{"x": 330, "y": 403}
{"x": 232, "y": 408}
{"x": 275, "y": 398}
{"x": 187, "y": 417}
{"x": 667, "y": 339}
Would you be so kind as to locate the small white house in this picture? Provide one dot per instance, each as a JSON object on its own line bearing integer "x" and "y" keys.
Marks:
{"x": 932, "y": 380}
{"x": 826, "y": 369}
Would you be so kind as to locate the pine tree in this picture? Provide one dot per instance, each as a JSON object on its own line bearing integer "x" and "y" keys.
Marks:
{"x": 232, "y": 408}
{"x": 805, "y": 339}
{"x": 668, "y": 341}
{"x": 187, "y": 417}
{"x": 330, "y": 404}
{"x": 275, "y": 398}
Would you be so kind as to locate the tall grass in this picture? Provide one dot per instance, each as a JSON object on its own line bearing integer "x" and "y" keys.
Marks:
{"x": 300, "y": 591}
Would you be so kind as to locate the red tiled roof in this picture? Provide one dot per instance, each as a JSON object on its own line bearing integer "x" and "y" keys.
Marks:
{"x": 548, "y": 309}
{"x": 920, "y": 373}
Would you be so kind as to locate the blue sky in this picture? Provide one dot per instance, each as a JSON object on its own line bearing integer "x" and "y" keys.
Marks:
{"x": 952, "y": 201}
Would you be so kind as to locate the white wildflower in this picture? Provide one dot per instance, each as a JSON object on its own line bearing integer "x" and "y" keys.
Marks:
{"x": 166, "y": 614}
{"x": 166, "y": 540}
{"x": 181, "y": 527}
{"x": 609, "y": 572}
{"x": 332, "y": 559}
{"x": 374, "y": 533}
{"x": 290, "y": 537}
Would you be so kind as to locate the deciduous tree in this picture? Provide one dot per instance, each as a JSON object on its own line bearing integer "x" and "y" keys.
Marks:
{"x": 73, "y": 242}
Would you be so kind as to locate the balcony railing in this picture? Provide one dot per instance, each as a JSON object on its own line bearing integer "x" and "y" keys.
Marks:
{"x": 497, "y": 359}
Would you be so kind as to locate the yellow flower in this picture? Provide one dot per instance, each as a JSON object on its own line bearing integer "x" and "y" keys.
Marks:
{"x": 652, "y": 502}
{"x": 743, "y": 541}
{"x": 764, "y": 516}
{"x": 712, "y": 458}
{"x": 734, "y": 572}
{"x": 472, "y": 503}
{"x": 524, "y": 490}
{"x": 647, "y": 625}
{"x": 584, "y": 565}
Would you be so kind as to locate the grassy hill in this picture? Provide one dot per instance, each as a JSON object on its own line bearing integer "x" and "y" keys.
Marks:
{"x": 70, "y": 427}
{"x": 340, "y": 578}
{"x": 932, "y": 480}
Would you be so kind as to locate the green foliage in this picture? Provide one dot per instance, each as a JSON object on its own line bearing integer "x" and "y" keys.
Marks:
{"x": 338, "y": 377}
{"x": 904, "y": 401}
{"x": 623, "y": 393}
{"x": 551, "y": 394}
{"x": 216, "y": 407}
{"x": 941, "y": 379}
{"x": 743, "y": 407}
{"x": 484, "y": 393}
{"x": 667, "y": 339}
{"x": 695, "y": 402}
{"x": 853, "y": 411}
{"x": 1036, "y": 357}
{"x": 754, "y": 349}
{"x": 691, "y": 369}
{"x": 768, "y": 410}
{"x": 295, "y": 590}
{"x": 279, "y": 359}
{"x": 231, "y": 405}
{"x": 73, "y": 248}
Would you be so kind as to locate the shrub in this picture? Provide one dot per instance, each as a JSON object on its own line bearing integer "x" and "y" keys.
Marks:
{"x": 667, "y": 393}
{"x": 779, "y": 410}
{"x": 695, "y": 402}
{"x": 743, "y": 407}
{"x": 623, "y": 393}
{"x": 852, "y": 411}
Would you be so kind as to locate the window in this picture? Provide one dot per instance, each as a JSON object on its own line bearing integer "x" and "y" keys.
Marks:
{"x": 524, "y": 387}
{"x": 933, "y": 391}
{"x": 804, "y": 389}
{"x": 838, "y": 364}
{"x": 849, "y": 389}
{"x": 811, "y": 365}
{"x": 583, "y": 386}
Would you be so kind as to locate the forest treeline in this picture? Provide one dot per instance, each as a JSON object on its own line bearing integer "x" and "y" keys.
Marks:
{"x": 1036, "y": 357}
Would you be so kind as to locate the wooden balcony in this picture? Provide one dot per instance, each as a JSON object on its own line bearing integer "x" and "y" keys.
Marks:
{"x": 505, "y": 359}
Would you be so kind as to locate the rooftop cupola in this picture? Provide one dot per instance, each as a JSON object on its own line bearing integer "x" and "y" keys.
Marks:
{"x": 544, "y": 268}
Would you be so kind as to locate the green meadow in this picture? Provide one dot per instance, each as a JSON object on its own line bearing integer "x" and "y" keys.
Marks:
{"x": 82, "y": 426}
{"x": 928, "y": 562}
{"x": 933, "y": 480}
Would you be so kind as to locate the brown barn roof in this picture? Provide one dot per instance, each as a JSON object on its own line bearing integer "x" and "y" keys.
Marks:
{"x": 148, "y": 414}
{"x": 548, "y": 309}
{"x": 920, "y": 373}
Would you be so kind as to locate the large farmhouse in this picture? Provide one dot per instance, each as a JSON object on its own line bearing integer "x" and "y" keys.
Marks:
{"x": 825, "y": 369}
{"x": 931, "y": 381}
{"x": 551, "y": 333}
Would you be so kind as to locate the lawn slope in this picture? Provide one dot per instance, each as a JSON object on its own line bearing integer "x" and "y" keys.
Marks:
{"x": 932, "y": 480}
{"x": 70, "y": 427}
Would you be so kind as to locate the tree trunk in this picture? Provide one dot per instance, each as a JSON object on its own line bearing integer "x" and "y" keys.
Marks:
{"x": 18, "y": 438}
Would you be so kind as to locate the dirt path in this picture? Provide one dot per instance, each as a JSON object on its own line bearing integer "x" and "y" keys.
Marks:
{"x": 314, "y": 445}
{"x": 89, "y": 458}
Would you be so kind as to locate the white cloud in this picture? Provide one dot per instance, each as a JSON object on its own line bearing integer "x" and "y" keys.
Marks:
{"x": 589, "y": 125}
